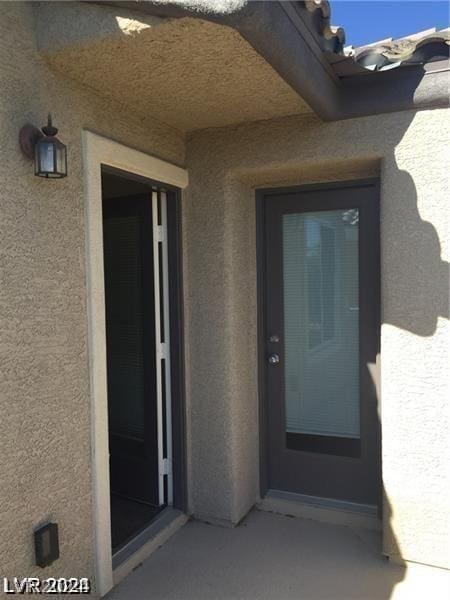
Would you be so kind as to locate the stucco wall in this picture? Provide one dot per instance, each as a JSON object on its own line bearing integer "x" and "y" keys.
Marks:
{"x": 45, "y": 411}
{"x": 410, "y": 153}
{"x": 44, "y": 395}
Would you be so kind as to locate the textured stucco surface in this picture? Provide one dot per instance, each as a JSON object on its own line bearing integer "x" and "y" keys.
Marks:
{"x": 44, "y": 395}
{"x": 45, "y": 434}
{"x": 410, "y": 153}
{"x": 186, "y": 72}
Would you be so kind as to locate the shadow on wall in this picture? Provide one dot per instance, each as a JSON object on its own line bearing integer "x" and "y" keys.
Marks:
{"x": 414, "y": 294}
{"x": 419, "y": 292}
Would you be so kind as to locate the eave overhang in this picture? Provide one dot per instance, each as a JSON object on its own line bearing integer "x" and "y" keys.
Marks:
{"x": 297, "y": 40}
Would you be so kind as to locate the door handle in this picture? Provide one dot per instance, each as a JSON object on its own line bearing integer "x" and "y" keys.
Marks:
{"x": 273, "y": 359}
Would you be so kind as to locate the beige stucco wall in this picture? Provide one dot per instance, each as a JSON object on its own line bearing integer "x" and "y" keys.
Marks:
{"x": 44, "y": 395}
{"x": 410, "y": 153}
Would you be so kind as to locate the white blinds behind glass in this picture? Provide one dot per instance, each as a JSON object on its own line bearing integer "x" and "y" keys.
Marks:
{"x": 321, "y": 322}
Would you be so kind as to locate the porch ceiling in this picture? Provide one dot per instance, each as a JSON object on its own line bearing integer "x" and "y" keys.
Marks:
{"x": 188, "y": 73}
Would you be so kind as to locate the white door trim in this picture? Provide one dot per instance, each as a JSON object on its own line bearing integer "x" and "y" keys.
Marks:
{"x": 98, "y": 151}
{"x": 161, "y": 291}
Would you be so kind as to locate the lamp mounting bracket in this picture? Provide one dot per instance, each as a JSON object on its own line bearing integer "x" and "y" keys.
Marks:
{"x": 28, "y": 138}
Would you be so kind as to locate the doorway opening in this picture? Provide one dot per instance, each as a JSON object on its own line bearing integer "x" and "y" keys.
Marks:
{"x": 143, "y": 350}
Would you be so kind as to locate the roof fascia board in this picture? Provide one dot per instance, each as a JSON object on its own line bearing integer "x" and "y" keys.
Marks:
{"x": 305, "y": 32}
{"x": 297, "y": 57}
{"x": 287, "y": 49}
{"x": 408, "y": 88}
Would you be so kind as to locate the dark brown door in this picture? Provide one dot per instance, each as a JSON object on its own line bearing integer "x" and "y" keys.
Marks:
{"x": 321, "y": 340}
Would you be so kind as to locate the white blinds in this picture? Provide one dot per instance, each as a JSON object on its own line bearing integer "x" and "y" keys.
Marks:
{"x": 124, "y": 324}
{"x": 321, "y": 322}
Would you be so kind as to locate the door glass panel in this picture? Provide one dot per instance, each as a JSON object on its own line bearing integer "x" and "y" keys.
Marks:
{"x": 321, "y": 331}
{"x": 124, "y": 325}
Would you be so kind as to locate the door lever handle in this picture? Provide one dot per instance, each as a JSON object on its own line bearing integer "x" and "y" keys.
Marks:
{"x": 273, "y": 359}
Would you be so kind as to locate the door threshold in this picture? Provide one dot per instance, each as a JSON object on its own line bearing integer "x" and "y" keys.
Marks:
{"x": 328, "y": 510}
{"x": 168, "y": 522}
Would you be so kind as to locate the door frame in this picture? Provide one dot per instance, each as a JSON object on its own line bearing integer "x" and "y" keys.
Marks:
{"x": 101, "y": 152}
{"x": 260, "y": 194}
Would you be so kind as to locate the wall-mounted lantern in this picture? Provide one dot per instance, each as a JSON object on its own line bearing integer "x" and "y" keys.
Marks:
{"x": 50, "y": 156}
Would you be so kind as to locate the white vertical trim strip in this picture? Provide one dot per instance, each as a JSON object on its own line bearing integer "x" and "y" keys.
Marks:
{"x": 96, "y": 325}
{"x": 98, "y": 151}
{"x": 159, "y": 352}
{"x": 166, "y": 300}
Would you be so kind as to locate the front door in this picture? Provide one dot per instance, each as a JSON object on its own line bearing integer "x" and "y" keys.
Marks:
{"x": 321, "y": 340}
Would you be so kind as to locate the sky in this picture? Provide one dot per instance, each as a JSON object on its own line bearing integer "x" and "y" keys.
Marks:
{"x": 366, "y": 21}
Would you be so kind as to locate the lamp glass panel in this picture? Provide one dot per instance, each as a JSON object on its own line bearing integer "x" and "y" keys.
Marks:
{"x": 46, "y": 157}
{"x": 61, "y": 159}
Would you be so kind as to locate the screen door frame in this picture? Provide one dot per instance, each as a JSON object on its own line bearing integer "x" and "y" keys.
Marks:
{"x": 261, "y": 198}
{"x": 100, "y": 152}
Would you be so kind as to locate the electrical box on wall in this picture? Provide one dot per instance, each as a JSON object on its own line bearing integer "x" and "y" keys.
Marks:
{"x": 46, "y": 544}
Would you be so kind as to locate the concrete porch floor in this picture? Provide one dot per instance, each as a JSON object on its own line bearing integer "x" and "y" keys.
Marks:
{"x": 277, "y": 557}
